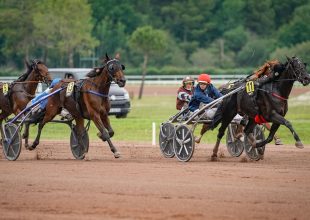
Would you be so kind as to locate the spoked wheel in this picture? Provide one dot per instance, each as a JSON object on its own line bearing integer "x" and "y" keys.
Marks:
{"x": 183, "y": 143}
{"x": 79, "y": 149}
{"x": 235, "y": 146}
{"x": 166, "y": 139}
{"x": 11, "y": 141}
{"x": 251, "y": 152}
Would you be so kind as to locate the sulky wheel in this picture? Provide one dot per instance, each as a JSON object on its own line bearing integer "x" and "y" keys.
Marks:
{"x": 235, "y": 146}
{"x": 11, "y": 141}
{"x": 166, "y": 139}
{"x": 79, "y": 150}
{"x": 183, "y": 143}
{"x": 255, "y": 153}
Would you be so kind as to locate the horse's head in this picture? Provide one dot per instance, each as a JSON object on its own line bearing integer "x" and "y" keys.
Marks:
{"x": 115, "y": 70}
{"x": 297, "y": 70}
{"x": 40, "y": 71}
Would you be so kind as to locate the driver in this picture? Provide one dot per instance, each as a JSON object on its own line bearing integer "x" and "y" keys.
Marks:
{"x": 185, "y": 93}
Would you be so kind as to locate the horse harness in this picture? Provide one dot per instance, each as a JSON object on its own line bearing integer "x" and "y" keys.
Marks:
{"x": 77, "y": 91}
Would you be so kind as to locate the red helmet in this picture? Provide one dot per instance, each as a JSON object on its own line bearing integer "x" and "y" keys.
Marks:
{"x": 204, "y": 78}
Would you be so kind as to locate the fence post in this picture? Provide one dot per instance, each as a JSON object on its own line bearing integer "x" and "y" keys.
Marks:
{"x": 153, "y": 134}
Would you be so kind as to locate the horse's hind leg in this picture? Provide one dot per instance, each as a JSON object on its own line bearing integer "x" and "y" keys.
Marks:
{"x": 204, "y": 129}
{"x": 248, "y": 130}
{"x": 49, "y": 115}
{"x": 26, "y": 134}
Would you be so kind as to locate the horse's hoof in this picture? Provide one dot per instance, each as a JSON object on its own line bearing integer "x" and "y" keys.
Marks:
{"x": 197, "y": 140}
{"x": 278, "y": 142}
{"x": 214, "y": 158}
{"x": 30, "y": 148}
{"x": 117, "y": 155}
{"x": 299, "y": 145}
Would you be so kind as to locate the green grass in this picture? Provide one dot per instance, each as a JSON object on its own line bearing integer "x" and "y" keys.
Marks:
{"x": 138, "y": 125}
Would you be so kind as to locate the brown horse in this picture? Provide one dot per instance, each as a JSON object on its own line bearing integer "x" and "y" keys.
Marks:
{"x": 91, "y": 101}
{"x": 22, "y": 90}
{"x": 270, "y": 105}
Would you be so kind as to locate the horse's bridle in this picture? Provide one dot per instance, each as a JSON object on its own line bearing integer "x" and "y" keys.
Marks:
{"x": 45, "y": 79}
{"x": 111, "y": 70}
{"x": 297, "y": 73}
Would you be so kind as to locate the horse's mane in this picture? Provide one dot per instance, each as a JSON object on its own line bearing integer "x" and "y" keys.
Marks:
{"x": 94, "y": 72}
{"x": 264, "y": 68}
{"x": 24, "y": 76}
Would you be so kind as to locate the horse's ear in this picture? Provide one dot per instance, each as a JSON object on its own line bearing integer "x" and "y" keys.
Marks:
{"x": 279, "y": 68}
{"x": 27, "y": 64}
{"x": 107, "y": 57}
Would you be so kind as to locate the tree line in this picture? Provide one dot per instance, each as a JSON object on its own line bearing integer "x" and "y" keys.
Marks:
{"x": 161, "y": 37}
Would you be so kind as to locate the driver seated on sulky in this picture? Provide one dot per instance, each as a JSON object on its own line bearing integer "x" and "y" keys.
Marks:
{"x": 38, "y": 111}
{"x": 204, "y": 93}
{"x": 185, "y": 93}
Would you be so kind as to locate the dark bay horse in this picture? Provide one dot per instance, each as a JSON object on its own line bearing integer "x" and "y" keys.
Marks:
{"x": 22, "y": 90}
{"x": 270, "y": 104}
{"x": 92, "y": 102}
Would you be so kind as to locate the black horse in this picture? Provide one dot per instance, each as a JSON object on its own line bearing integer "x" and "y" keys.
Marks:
{"x": 269, "y": 105}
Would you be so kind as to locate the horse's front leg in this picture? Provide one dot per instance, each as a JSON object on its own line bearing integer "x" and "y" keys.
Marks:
{"x": 279, "y": 119}
{"x": 106, "y": 122}
{"x": 104, "y": 135}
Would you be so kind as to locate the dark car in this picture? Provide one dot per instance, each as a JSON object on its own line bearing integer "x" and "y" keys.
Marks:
{"x": 119, "y": 97}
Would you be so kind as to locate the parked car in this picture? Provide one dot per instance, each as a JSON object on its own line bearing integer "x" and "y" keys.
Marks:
{"x": 119, "y": 97}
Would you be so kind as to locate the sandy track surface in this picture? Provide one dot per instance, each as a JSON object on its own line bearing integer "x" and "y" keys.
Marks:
{"x": 49, "y": 184}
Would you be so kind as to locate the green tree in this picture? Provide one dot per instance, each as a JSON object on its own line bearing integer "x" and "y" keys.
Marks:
{"x": 69, "y": 32}
{"x": 298, "y": 29}
{"x": 259, "y": 17}
{"x": 236, "y": 38}
{"x": 187, "y": 20}
{"x": 111, "y": 36}
{"x": 255, "y": 52}
{"x": 147, "y": 41}
{"x": 301, "y": 50}
{"x": 16, "y": 28}
{"x": 284, "y": 10}
{"x": 230, "y": 15}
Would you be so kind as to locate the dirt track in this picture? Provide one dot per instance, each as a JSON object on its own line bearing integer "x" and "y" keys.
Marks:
{"x": 50, "y": 184}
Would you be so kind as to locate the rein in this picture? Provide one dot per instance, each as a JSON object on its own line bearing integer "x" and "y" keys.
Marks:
{"x": 26, "y": 82}
{"x": 96, "y": 93}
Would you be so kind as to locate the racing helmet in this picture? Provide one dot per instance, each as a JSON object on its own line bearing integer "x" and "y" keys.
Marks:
{"x": 204, "y": 78}
{"x": 187, "y": 79}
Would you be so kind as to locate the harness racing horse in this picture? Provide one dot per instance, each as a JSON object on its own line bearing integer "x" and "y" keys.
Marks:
{"x": 92, "y": 101}
{"x": 22, "y": 90}
{"x": 270, "y": 104}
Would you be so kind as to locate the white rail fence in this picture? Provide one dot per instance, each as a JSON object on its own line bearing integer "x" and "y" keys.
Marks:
{"x": 158, "y": 79}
